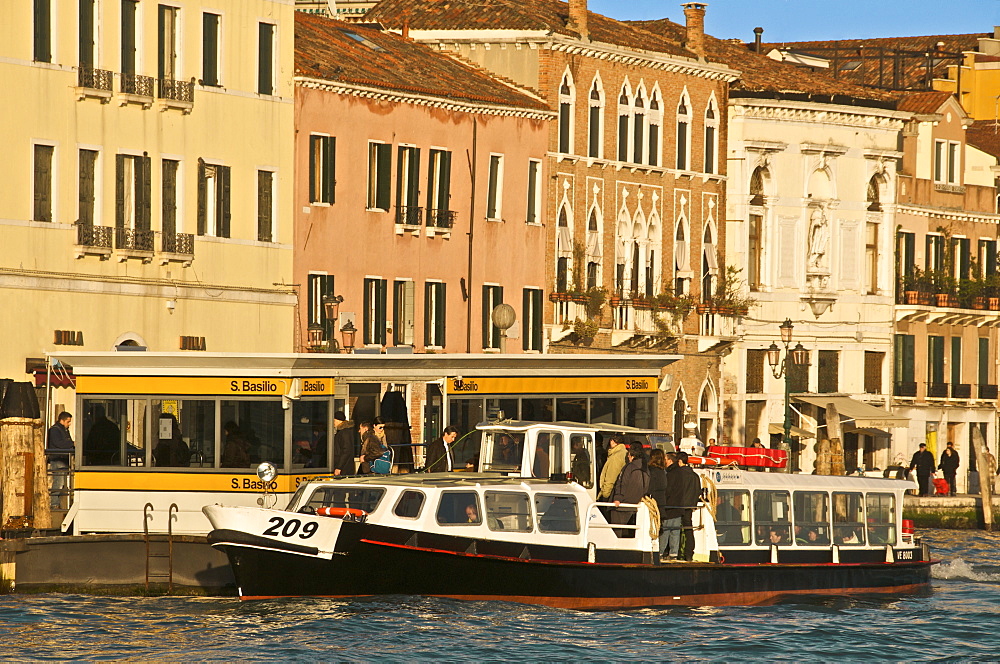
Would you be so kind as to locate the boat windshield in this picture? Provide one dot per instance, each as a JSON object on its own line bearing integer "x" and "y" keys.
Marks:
{"x": 502, "y": 451}
{"x": 362, "y": 498}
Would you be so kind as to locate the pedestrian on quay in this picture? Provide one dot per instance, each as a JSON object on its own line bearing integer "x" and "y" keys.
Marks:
{"x": 58, "y": 450}
{"x": 923, "y": 462}
{"x": 949, "y": 466}
{"x": 344, "y": 441}
{"x": 371, "y": 444}
{"x": 613, "y": 466}
{"x": 631, "y": 485}
{"x": 438, "y": 458}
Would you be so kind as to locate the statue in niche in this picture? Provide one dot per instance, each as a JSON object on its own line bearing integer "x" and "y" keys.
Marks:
{"x": 819, "y": 242}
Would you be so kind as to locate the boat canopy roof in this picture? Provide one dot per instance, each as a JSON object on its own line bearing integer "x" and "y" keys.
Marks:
{"x": 521, "y": 425}
{"x": 726, "y": 478}
{"x": 452, "y": 480}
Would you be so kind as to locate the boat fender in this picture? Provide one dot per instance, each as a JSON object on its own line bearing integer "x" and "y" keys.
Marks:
{"x": 345, "y": 513}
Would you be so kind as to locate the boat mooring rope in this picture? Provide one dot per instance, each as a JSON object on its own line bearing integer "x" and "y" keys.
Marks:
{"x": 710, "y": 493}
{"x": 654, "y": 516}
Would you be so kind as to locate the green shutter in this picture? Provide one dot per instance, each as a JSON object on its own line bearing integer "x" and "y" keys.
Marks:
{"x": 536, "y": 322}
{"x": 120, "y": 190}
{"x": 264, "y": 205}
{"x": 128, "y": 36}
{"x": 168, "y": 224}
{"x": 43, "y": 183}
{"x": 399, "y": 177}
{"x": 439, "y": 320}
{"x": 43, "y": 31}
{"x": 384, "y": 159}
{"x": 381, "y": 297}
{"x": 144, "y": 187}
{"x": 314, "y": 147}
{"x": 984, "y": 360}
{"x": 526, "y": 319}
{"x": 210, "y": 49}
{"x": 86, "y": 36}
{"x": 223, "y": 214}
{"x": 428, "y": 317}
{"x": 330, "y": 170}
{"x": 956, "y": 360}
{"x": 88, "y": 161}
{"x": 202, "y": 197}
{"x": 265, "y": 62}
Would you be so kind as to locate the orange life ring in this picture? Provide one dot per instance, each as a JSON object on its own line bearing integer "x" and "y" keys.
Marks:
{"x": 341, "y": 512}
{"x": 702, "y": 461}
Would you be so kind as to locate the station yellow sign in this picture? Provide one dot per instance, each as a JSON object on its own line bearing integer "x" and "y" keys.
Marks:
{"x": 152, "y": 480}
{"x": 203, "y": 385}
{"x": 553, "y": 385}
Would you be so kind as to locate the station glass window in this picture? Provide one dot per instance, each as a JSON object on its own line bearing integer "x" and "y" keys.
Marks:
{"x": 310, "y": 440}
{"x": 350, "y": 497}
{"x": 505, "y": 409}
{"x": 732, "y": 517}
{"x": 409, "y": 504}
{"x": 557, "y": 514}
{"x": 194, "y": 437}
{"x": 459, "y": 508}
{"x": 536, "y": 410}
{"x": 604, "y": 410}
{"x": 881, "y": 518}
{"x": 571, "y": 410}
{"x": 113, "y": 432}
{"x": 639, "y": 412}
{"x": 547, "y": 457}
{"x": 503, "y": 451}
{"x": 508, "y": 510}
{"x": 581, "y": 456}
{"x": 772, "y": 518}
{"x": 848, "y": 519}
{"x": 253, "y": 432}
{"x": 812, "y": 518}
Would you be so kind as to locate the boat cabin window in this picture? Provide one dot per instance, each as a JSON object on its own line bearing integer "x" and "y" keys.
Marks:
{"x": 772, "y": 518}
{"x": 812, "y": 518}
{"x": 881, "y": 518}
{"x": 848, "y": 519}
{"x": 557, "y": 514}
{"x": 508, "y": 510}
{"x": 732, "y": 517}
{"x": 503, "y": 451}
{"x": 409, "y": 504}
{"x": 336, "y": 496}
{"x": 581, "y": 459}
{"x": 548, "y": 455}
{"x": 661, "y": 441}
{"x": 459, "y": 508}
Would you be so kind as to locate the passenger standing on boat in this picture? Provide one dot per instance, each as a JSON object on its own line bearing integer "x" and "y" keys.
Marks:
{"x": 631, "y": 485}
{"x": 371, "y": 445}
{"x": 613, "y": 466}
{"x": 658, "y": 490}
{"x": 923, "y": 461}
{"x": 949, "y": 466}
{"x": 58, "y": 450}
{"x": 344, "y": 443}
{"x": 683, "y": 491}
{"x": 438, "y": 457}
{"x": 236, "y": 451}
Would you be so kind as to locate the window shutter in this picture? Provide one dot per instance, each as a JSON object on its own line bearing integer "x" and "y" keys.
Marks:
{"x": 380, "y": 302}
{"x": 384, "y": 157}
{"x": 622, "y": 138}
{"x": 441, "y": 303}
{"x": 984, "y": 360}
{"x": 43, "y": 183}
{"x": 486, "y": 316}
{"x": 145, "y": 187}
{"x": 88, "y": 160}
{"x": 223, "y": 206}
{"x": 86, "y": 33}
{"x": 956, "y": 360}
{"x": 408, "y": 314}
{"x": 120, "y": 190}
{"x": 498, "y": 298}
{"x": 526, "y": 331}
{"x": 265, "y": 56}
{"x": 314, "y": 147}
{"x": 168, "y": 224}
{"x": 413, "y": 181}
{"x": 311, "y": 296}
{"x": 264, "y": 192}
{"x": 595, "y": 131}
{"x": 444, "y": 200}
{"x": 536, "y": 320}
{"x": 326, "y": 288}
{"x": 400, "y": 152}
{"x": 43, "y": 28}
{"x": 210, "y": 49}
{"x": 202, "y": 197}
{"x": 909, "y": 357}
{"x": 654, "y": 145}
{"x": 369, "y": 304}
{"x": 330, "y": 170}
{"x": 428, "y": 316}
{"x": 128, "y": 36}
{"x": 849, "y": 271}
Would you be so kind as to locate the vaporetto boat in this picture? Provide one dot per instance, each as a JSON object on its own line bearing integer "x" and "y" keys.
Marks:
{"x": 501, "y": 535}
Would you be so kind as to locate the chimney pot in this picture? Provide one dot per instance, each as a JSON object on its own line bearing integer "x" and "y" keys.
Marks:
{"x": 757, "y": 32}
{"x": 694, "y": 15}
{"x": 578, "y": 17}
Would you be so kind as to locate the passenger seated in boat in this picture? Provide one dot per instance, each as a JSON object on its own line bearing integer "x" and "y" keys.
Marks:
{"x": 471, "y": 514}
{"x": 777, "y": 536}
{"x": 848, "y": 536}
{"x": 507, "y": 452}
{"x": 811, "y": 537}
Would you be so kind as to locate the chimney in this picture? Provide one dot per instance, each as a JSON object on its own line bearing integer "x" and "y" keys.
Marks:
{"x": 757, "y": 32}
{"x": 578, "y": 17}
{"x": 694, "y": 15}
{"x": 406, "y": 28}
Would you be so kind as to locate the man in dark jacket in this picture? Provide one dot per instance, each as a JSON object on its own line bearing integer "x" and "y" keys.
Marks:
{"x": 949, "y": 466}
{"x": 58, "y": 451}
{"x": 923, "y": 461}
{"x": 438, "y": 457}
{"x": 345, "y": 441}
{"x": 683, "y": 492}
{"x": 631, "y": 485}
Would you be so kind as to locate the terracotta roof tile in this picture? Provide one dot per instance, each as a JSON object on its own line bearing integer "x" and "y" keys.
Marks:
{"x": 912, "y": 71}
{"x": 760, "y": 74}
{"x": 336, "y": 51}
{"x": 923, "y": 103}
{"x": 985, "y": 135}
{"x": 542, "y": 15}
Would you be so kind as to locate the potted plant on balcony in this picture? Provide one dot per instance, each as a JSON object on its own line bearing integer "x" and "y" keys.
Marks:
{"x": 913, "y": 284}
{"x": 596, "y": 297}
{"x": 731, "y": 298}
{"x": 944, "y": 288}
{"x": 991, "y": 291}
{"x": 678, "y": 306}
{"x": 585, "y": 330}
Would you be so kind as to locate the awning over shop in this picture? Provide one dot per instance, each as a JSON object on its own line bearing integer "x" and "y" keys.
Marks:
{"x": 862, "y": 415}
{"x": 798, "y": 432}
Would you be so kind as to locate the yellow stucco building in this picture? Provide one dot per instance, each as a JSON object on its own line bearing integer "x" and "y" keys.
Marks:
{"x": 147, "y": 174}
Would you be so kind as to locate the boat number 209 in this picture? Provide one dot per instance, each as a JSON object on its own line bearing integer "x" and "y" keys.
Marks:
{"x": 288, "y": 528}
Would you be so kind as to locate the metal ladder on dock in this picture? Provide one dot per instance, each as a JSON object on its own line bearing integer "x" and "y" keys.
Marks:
{"x": 147, "y": 515}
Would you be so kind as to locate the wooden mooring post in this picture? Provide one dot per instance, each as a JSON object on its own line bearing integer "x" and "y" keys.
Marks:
{"x": 985, "y": 463}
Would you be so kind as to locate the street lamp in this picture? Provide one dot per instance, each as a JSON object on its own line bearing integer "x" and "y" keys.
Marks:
{"x": 779, "y": 367}
{"x": 347, "y": 332}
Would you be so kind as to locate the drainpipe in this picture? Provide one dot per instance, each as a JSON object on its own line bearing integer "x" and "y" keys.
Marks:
{"x": 473, "y": 161}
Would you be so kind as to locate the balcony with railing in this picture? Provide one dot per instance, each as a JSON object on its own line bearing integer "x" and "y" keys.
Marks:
{"x": 409, "y": 218}
{"x": 93, "y": 240}
{"x": 440, "y": 222}
{"x": 96, "y": 83}
{"x": 134, "y": 243}
{"x": 904, "y": 389}
{"x": 987, "y": 392}
{"x": 961, "y": 391}
{"x": 937, "y": 390}
{"x": 136, "y": 88}
{"x": 177, "y": 247}
{"x": 176, "y": 94}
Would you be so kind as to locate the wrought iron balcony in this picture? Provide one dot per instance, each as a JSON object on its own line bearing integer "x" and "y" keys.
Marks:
{"x": 961, "y": 391}
{"x": 88, "y": 235}
{"x": 177, "y": 243}
{"x": 168, "y": 88}
{"x": 937, "y": 390}
{"x": 904, "y": 389}
{"x": 95, "y": 79}
{"x": 409, "y": 215}
{"x": 137, "y": 84}
{"x": 441, "y": 218}
{"x": 133, "y": 239}
{"x": 987, "y": 391}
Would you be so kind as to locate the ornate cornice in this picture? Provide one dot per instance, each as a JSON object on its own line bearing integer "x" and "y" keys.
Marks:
{"x": 952, "y": 215}
{"x": 814, "y": 113}
{"x": 650, "y": 59}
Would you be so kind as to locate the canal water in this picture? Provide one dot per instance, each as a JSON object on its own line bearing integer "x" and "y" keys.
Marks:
{"x": 957, "y": 620}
